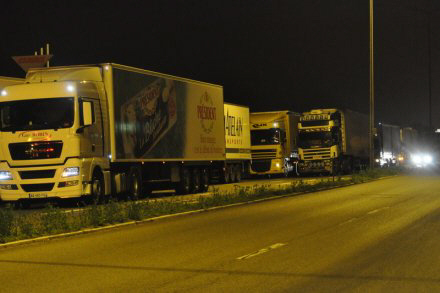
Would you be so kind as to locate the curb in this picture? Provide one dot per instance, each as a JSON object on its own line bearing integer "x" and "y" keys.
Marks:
{"x": 115, "y": 226}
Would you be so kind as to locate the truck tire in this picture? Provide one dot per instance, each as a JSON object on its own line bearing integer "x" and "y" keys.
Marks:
{"x": 204, "y": 180}
{"x": 184, "y": 185}
{"x": 237, "y": 171}
{"x": 227, "y": 175}
{"x": 232, "y": 174}
{"x": 195, "y": 180}
{"x": 134, "y": 186}
{"x": 97, "y": 190}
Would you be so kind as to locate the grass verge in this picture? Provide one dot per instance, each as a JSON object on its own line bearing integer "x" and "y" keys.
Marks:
{"x": 52, "y": 220}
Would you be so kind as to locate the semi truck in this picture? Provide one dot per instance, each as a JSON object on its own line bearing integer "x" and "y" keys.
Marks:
{"x": 274, "y": 138}
{"x": 6, "y": 81}
{"x": 388, "y": 145}
{"x": 95, "y": 130}
{"x": 238, "y": 143}
{"x": 333, "y": 141}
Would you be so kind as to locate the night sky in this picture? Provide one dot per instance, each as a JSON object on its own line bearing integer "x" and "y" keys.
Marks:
{"x": 269, "y": 55}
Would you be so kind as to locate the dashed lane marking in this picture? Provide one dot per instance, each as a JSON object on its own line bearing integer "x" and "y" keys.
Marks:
{"x": 261, "y": 251}
{"x": 377, "y": 210}
{"x": 348, "y": 221}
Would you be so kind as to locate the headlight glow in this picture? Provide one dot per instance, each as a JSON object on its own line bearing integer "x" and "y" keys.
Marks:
{"x": 5, "y": 175}
{"x": 70, "y": 88}
{"x": 427, "y": 159}
{"x": 70, "y": 172}
{"x": 417, "y": 159}
{"x": 422, "y": 159}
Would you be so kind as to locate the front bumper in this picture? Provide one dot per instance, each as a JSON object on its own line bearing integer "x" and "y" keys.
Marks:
{"x": 267, "y": 167}
{"x": 315, "y": 166}
{"x": 27, "y": 183}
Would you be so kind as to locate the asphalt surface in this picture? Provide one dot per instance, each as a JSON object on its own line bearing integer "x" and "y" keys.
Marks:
{"x": 381, "y": 236}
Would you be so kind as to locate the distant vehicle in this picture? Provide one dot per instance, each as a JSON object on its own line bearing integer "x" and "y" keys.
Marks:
{"x": 7, "y": 81}
{"x": 333, "y": 141}
{"x": 418, "y": 148}
{"x": 95, "y": 130}
{"x": 274, "y": 137}
{"x": 388, "y": 145}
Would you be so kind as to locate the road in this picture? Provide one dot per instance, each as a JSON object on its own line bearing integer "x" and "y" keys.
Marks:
{"x": 375, "y": 237}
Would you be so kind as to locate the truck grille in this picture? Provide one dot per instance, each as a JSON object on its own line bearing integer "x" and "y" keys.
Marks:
{"x": 37, "y": 174}
{"x": 37, "y": 187}
{"x": 36, "y": 150}
{"x": 261, "y": 165}
{"x": 264, "y": 154}
{"x": 316, "y": 154}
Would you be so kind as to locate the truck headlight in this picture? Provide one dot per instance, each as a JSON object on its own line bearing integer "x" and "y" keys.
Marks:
{"x": 5, "y": 175}
{"x": 427, "y": 159}
{"x": 70, "y": 172}
{"x": 417, "y": 159}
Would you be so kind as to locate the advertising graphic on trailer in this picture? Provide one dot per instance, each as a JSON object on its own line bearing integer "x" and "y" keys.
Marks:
{"x": 166, "y": 118}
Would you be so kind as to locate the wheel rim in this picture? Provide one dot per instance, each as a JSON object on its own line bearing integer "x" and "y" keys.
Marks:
{"x": 134, "y": 185}
{"x": 97, "y": 189}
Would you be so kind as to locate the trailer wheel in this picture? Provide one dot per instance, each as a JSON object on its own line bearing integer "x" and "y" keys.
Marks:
{"x": 97, "y": 195}
{"x": 184, "y": 185}
{"x": 135, "y": 190}
{"x": 195, "y": 181}
{"x": 227, "y": 175}
{"x": 237, "y": 173}
{"x": 204, "y": 180}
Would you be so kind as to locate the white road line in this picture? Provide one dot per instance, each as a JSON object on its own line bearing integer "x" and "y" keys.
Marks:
{"x": 377, "y": 210}
{"x": 261, "y": 251}
{"x": 348, "y": 221}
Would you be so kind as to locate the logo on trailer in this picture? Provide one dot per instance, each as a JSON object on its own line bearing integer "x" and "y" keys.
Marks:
{"x": 233, "y": 125}
{"x": 206, "y": 113}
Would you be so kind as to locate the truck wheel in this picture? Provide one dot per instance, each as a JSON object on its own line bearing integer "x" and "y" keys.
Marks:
{"x": 232, "y": 174}
{"x": 97, "y": 195}
{"x": 184, "y": 185}
{"x": 227, "y": 175}
{"x": 286, "y": 170}
{"x": 237, "y": 173}
{"x": 195, "y": 181}
{"x": 135, "y": 190}
{"x": 204, "y": 180}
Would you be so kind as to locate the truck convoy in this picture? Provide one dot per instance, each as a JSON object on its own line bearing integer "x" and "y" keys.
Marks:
{"x": 333, "y": 141}
{"x": 274, "y": 138}
{"x": 95, "y": 130}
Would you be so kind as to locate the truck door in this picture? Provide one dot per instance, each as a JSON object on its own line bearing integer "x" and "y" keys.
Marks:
{"x": 91, "y": 142}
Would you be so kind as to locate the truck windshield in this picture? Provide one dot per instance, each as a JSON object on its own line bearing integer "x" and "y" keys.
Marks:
{"x": 315, "y": 139}
{"x": 37, "y": 114}
{"x": 266, "y": 136}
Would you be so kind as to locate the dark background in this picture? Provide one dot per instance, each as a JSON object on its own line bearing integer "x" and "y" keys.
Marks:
{"x": 270, "y": 55}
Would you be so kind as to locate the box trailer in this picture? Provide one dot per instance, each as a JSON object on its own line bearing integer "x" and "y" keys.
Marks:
{"x": 238, "y": 142}
{"x": 92, "y": 130}
{"x": 388, "y": 146}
